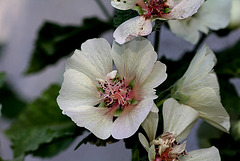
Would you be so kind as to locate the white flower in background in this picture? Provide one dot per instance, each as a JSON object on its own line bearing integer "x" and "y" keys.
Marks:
{"x": 199, "y": 89}
{"x": 235, "y": 12}
{"x": 212, "y": 15}
{"x": 178, "y": 122}
{"x": 107, "y": 101}
{"x": 149, "y": 11}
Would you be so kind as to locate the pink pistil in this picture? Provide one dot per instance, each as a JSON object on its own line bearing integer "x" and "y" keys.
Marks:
{"x": 115, "y": 92}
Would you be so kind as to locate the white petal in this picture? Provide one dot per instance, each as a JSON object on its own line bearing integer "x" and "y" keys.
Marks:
{"x": 212, "y": 11}
{"x": 94, "y": 60}
{"x": 207, "y": 17}
{"x": 155, "y": 108}
{"x": 123, "y": 4}
{"x": 197, "y": 75}
{"x": 96, "y": 119}
{"x": 157, "y": 76}
{"x": 150, "y": 125}
{"x": 134, "y": 59}
{"x": 143, "y": 141}
{"x": 207, "y": 103}
{"x": 77, "y": 90}
{"x": 207, "y": 154}
{"x": 151, "y": 153}
{"x": 134, "y": 27}
{"x": 182, "y": 9}
{"x": 178, "y": 118}
{"x": 186, "y": 28}
{"x": 130, "y": 119}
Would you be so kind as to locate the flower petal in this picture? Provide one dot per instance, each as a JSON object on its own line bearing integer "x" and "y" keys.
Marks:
{"x": 143, "y": 141}
{"x": 134, "y": 27}
{"x": 150, "y": 125}
{"x": 206, "y": 18}
{"x": 77, "y": 90}
{"x": 207, "y": 154}
{"x": 130, "y": 119}
{"x": 186, "y": 28}
{"x": 178, "y": 118}
{"x": 182, "y": 9}
{"x": 96, "y": 119}
{"x": 199, "y": 73}
{"x": 157, "y": 76}
{"x": 123, "y": 4}
{"x": 207, "y": 103}
{"x": 134, "y": 59}
{"x": 94, "y": 60}
{"x": 210, "y": 13}
{"x": 151, "y": 153}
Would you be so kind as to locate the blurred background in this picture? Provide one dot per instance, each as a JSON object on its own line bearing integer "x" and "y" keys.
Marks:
{"x": 19, "y": 25}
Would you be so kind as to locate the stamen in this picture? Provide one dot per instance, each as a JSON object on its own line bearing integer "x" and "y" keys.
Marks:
{"x": 115, "y": 92}
{"x": 156, "y": 8}
{"x": 168, "y": 149}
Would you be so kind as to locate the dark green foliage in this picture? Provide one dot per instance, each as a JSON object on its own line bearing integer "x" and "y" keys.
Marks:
{"x": 12, "y": 105}
{"x": 123, "y": 15}
{"x": 228, "y": 63}
{"x": 92, "y": 139}
{"x": 55, "y": 41}
{"x": 41, "y": 123}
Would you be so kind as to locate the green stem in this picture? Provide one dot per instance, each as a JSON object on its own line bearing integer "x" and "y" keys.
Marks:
{"x": 203, "y": 37}
{"x": 157, "y": 28}
{"x": 157, "y": 40}
{"x": 103, "y": 8}
{"x": 163, "y": 96}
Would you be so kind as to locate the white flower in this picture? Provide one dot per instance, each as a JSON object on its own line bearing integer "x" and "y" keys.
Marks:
{"x": 212, "y": 15}
{"x": 149, "y": 11}
{"x": 199, "y": 89}
{"x": 107, "y": 101}
{"x": 178, "y": 122}
{"x": 235, "y": 12}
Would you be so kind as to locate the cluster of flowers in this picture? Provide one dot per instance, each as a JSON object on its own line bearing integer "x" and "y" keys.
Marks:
{"x": 115, "y": 100}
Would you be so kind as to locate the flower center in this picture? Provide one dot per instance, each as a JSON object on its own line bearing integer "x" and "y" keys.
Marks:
{"x": 115, "y": 92}
{"x": 156, "y": 8}
{"x": 168, "y": 149}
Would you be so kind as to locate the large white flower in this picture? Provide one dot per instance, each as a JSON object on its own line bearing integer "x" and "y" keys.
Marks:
{"x": 178, "y": 122}
{"x": 212, "y": 15}
{"x": 199, "y": 89}
{"x": 149, "y": 11}
{"x": 107, "y": 101}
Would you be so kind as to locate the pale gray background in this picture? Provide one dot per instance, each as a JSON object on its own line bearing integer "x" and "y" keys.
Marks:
{"x": 19, "y": 23}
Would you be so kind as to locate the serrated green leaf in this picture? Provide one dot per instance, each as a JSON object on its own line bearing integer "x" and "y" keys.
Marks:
{"x": 123, "y": 15}
{"x": 55, "y": 146}
{"x": 92, "y": 139}
{"x": 55, "y": 41}
{"x": 40, "y": 123}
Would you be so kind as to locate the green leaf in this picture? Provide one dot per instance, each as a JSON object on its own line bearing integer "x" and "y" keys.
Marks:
{"x": 92, "y": 139}
{"x": 123, "y": 15}
{"x": 40, "y": 123}
{"x": 54, "y": 147}
{"x": 55, "y": 41}
{"x": 229, "y": 62}
{"x": 12, "y": 104}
